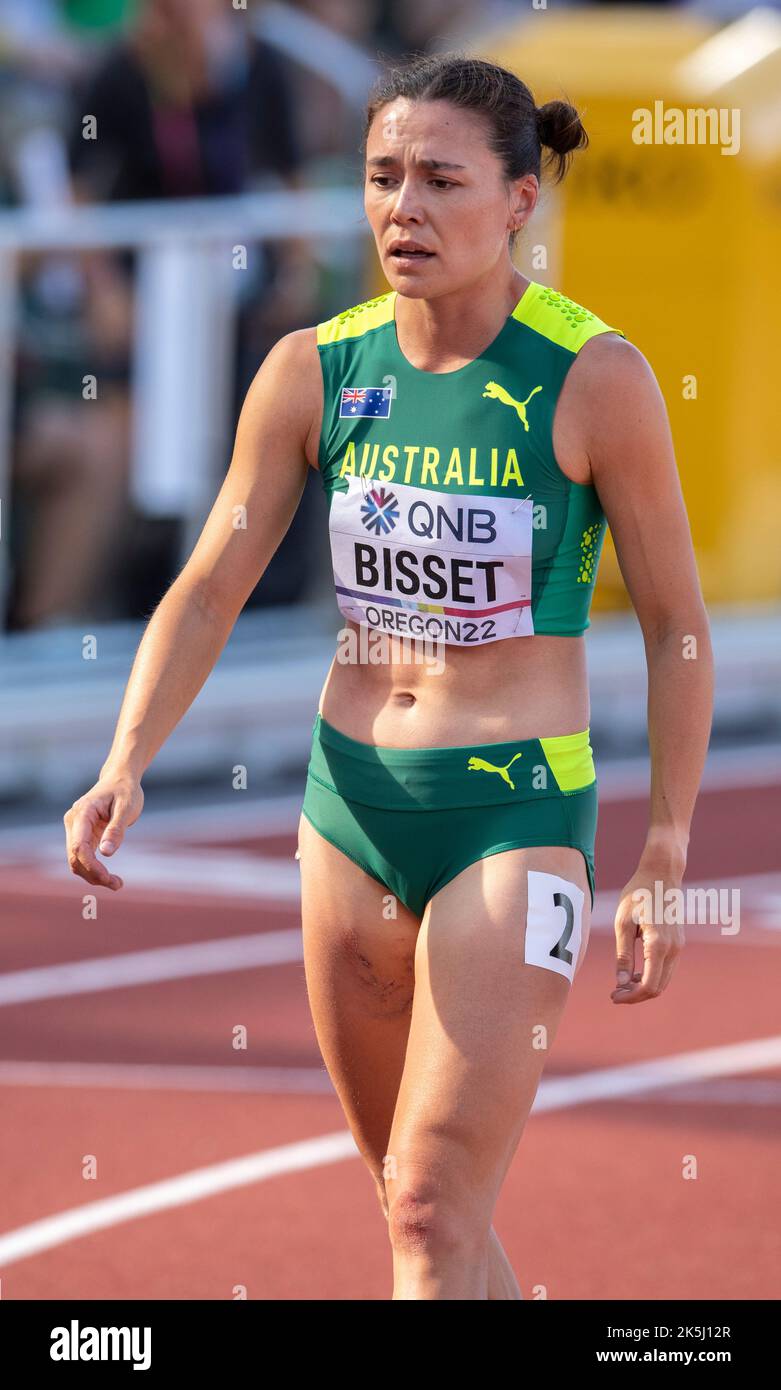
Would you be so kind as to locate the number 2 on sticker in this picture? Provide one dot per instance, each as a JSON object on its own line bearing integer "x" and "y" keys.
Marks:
{"x": 547, "y": 943}
{"x": 560, "y": 949}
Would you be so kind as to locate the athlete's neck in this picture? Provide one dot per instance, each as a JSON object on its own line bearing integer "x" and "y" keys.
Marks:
{"x": 460, "y": 324}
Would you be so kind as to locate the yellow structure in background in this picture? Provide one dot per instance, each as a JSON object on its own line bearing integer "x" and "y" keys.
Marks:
{"x": 679, "y": 245}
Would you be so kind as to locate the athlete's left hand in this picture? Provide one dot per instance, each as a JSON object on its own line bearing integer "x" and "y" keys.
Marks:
{"x": 662, "y": 941}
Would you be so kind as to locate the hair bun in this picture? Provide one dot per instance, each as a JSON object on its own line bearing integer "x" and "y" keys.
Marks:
{"x": 559, "y": 129}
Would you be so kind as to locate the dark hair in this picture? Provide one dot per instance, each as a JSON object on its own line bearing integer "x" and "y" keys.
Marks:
{"x": 518, "y": 129}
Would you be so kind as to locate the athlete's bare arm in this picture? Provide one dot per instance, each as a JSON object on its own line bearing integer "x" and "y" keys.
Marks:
{"x": 275, "y": 440}
{"x": 632, "y": 463}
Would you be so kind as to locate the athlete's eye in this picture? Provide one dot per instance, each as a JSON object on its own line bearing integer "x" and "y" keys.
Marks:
{"x": 443, "y": 183}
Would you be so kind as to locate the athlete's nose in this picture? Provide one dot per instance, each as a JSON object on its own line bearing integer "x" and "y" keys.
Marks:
{"x": 406, "y": 204}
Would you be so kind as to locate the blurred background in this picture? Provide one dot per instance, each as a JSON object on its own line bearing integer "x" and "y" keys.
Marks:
{"x": 180, "y": 185}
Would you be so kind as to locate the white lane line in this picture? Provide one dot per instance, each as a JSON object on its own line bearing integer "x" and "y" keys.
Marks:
{"x": 560, "y": 1092}
{"x": 749, "y": 1091}
{"x": 149, "y": 967}
{"x": 174, "y": 1192}
{"x": 30, "y": 884}
{"x": 143, "y": 1076}
{"x": 554, "y": 1094}
{"x": 223, "y": 872}
{"x": 151, "y": 1076}
{"x": 237, "y": 873}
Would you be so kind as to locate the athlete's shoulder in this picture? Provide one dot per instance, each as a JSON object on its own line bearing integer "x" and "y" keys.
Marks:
{"x": 357, "y": 320}
{"x": 294, "y": 358}
{"x": 560, "y": 319}
{"x": 288, "y": 384}
{"x": 615, "y": 370}
{"x": 612, "y": 361}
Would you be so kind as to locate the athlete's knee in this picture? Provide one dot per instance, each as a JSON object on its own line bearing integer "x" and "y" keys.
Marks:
{"x": 422, "y": 1221}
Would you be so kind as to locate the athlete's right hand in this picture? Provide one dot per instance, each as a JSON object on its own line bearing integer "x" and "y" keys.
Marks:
{"x": 98, "y": 820}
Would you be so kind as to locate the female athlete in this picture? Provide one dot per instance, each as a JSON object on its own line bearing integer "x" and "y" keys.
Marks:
{"x": 474, "y": 430}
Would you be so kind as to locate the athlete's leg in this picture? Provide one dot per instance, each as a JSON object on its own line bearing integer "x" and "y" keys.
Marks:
{"x": 359, "y": 967}
{"x": 483, "y": 1022}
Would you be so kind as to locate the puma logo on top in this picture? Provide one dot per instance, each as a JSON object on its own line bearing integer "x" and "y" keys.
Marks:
{"x": 496, "y": 392}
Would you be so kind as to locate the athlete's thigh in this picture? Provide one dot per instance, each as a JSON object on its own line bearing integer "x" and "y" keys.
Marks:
{"x": 484, "y": 1019}
{"x": 359, "y": 950}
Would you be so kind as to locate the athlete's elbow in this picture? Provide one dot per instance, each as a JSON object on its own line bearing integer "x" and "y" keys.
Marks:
{"x": 203, "y": 595}
{"x": 684, "y": 625}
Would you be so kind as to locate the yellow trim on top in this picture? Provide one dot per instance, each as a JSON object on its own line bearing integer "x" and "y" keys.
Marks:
{"x": 558, "y": 318}
{"x": 545, "y": 310}
{"x": 361, "y": 318}
{"x": 571, "y": 760}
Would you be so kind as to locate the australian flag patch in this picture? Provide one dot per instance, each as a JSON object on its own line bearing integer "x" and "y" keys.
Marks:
{"x": 365, "y": 400}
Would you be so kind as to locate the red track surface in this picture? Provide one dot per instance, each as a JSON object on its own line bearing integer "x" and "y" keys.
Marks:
{"x": 594, "y": 1205}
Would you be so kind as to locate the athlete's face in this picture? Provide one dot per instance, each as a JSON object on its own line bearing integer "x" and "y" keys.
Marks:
{"x": 432, "y": 179}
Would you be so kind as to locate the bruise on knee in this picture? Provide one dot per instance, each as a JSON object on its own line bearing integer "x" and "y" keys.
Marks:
{"x": 416, "y": 1222}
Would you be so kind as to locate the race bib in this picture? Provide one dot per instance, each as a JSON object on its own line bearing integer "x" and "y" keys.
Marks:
{"x": 434, "y": 565}
{"x": 554, "y": 918}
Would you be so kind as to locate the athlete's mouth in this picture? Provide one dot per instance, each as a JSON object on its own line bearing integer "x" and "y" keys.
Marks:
{"x": 405, "y": 252}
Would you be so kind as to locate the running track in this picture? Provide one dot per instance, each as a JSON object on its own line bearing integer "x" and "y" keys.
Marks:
{"x": 224, "y": 1173}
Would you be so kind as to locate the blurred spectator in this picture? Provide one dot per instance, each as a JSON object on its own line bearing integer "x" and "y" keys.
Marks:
{"x": 330, "y": 125}
{"x": 70, "y": 466}
{"x": 354, "y": 19}
{"x": 429, "y": 24}
{"x": 98, "y": 15}
{"x": 188, "y": 103}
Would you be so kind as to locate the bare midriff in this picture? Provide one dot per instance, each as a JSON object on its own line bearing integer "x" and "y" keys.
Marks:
{"x": 446, "y": 696}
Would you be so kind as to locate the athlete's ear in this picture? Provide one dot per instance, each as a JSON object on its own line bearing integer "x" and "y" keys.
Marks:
{"x": 523, "y": 200}
{"x": 517, "y": 218}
